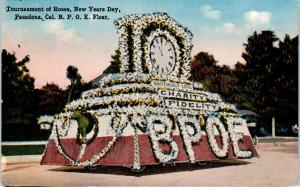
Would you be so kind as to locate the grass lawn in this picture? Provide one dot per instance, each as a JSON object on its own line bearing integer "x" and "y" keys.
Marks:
{"x": 9, "y": 150}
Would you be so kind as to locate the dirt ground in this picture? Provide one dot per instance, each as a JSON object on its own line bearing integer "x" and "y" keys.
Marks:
{"x": 276, "y": 166}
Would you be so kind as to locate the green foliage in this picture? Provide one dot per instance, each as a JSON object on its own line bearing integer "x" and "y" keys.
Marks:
{"x": 219, "y": 79}
{"x": 11, "y": 150}
{"x": 23, "y": 104}
{"x": 271, "y": 76}
{"x": 77, "y": 85}
{"x": 114, "y": 63}
{"x": 74, "y": 77}
{"x": 51, "y": 99}
{"x": 267, "y": 83}
{"x": 19, "y": 99}
{"x": 83, "y": 122}
{"x": 86, "y": 123}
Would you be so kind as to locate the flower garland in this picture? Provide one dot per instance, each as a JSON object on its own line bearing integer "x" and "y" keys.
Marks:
{"x": 152, "y": 88}
{"x": 189, "y": 138}
{"x": 145, "y": 88}
{"x": 165, "y": 137}
{"x": 97, "y": 156}
{"x": 213, "y": 121}
{"x": 63, "y": 122}
{"x": 136, "y": 162}
{"x": 117, "y": 119}
{"x": 117, "y": 89}
{"x": 236, "y": 137}
{"x": 146, "y": 98}
{"x": 119, "y": 78}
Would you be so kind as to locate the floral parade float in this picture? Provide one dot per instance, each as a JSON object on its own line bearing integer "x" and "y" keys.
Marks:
{"x": 150, "y": 112}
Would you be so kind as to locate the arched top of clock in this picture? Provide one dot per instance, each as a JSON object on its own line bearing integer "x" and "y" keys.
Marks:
{"x": 134, "y": 32}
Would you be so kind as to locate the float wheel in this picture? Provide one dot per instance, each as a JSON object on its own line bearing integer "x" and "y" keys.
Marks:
{"x": 91, "y": 168}
{"x": 141, "y": 169}
{"x": 203, "y": 163}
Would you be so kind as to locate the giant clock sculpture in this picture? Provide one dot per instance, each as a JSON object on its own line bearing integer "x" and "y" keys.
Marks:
{"x": 162, "y": 55}
{"x": 149, "y": 112}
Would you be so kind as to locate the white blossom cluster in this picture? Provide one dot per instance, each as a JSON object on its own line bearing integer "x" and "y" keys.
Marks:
{"x": 45, "y": 122}
{"x": 166, "y": 137}
{"x": 122, "y": 25}
{"x": 138, "y": 23}
{"x": 211, "y": 123}
{"x": 45, "y": 119}
{"x": 236, "y": 136}
{"x": 146, "y": 98}
{"x": 117, "y": 89}
{"x": 141, "y": 87}
{"x": 122, "y": 78}
{"x": 188, "y": 138}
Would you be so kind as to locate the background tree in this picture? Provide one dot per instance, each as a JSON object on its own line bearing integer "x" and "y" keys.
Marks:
{"x": 19, "y": 99}
{"x": 215, "y": 78}
{"x": 74, "y": 77}
{"x": 203, "y": 66}
{"x": 114, "y": 66}
{"x": 260, "y": 57}
{"x": 266, "y": 83}
{"x": 286, "y": 81}
{"x": 77, "y": 85}
{"x": 270, "y": 77}
{"x": 51, "y": 99}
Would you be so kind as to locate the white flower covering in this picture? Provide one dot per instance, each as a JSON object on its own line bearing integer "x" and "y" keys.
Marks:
{"x": 138, "y": 23}
{"x": 189, "y": 138}
{"x": 134, "y": 96}
{"x": 237, "y": 136}
{"x": 213, "y": 121}
{"x": 162, "y": 136}
{"x": 122, "y": 27}
{"x": 45, "y": 119}
{"x": 124, "y": 98}
{"x": 45, "y": 122}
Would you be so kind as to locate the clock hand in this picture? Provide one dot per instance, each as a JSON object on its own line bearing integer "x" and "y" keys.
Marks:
{"x": 160, "y": 51}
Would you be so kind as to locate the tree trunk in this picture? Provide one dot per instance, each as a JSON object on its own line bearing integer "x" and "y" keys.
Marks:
{"x": 71, "y": 89}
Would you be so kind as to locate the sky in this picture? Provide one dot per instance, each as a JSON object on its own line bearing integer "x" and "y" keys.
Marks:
{"x": 219, "y": 27}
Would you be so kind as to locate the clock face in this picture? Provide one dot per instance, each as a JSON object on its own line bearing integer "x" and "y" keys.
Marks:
{"x": 162, "y": 55}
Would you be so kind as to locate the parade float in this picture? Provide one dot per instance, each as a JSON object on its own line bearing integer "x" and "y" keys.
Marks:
{"x": 150, "y": 112}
